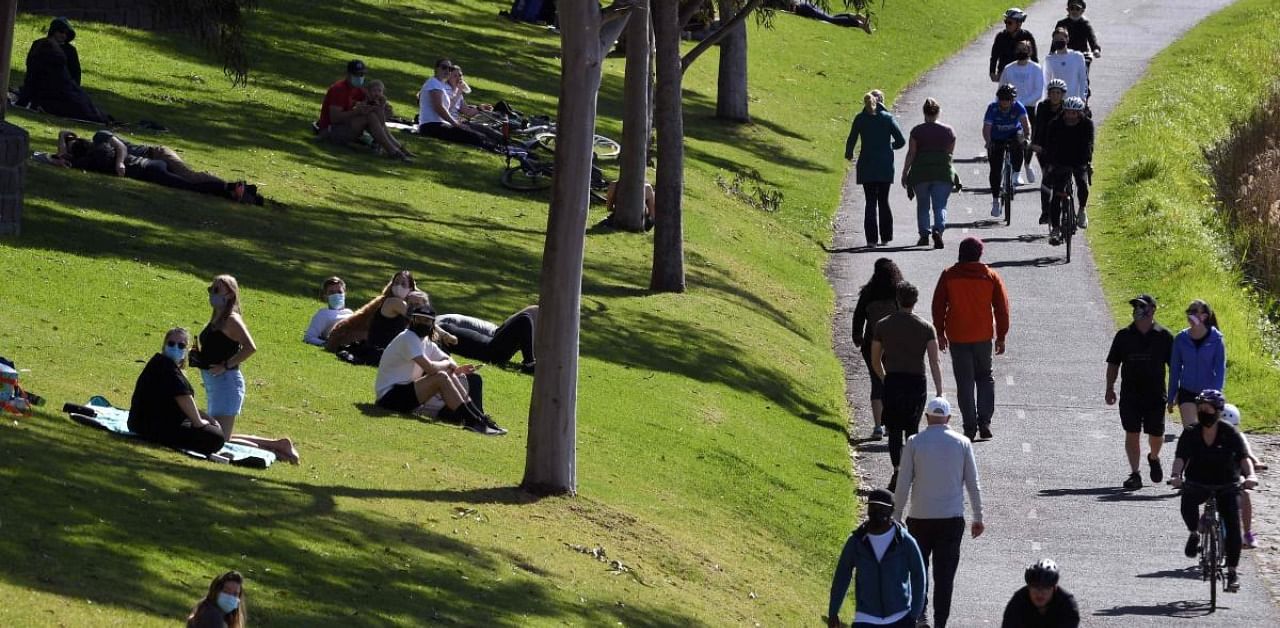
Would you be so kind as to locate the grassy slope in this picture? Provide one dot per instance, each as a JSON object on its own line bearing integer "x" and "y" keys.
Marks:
{"x": 1160, "y": 231}
{"x": 712, "y": 456}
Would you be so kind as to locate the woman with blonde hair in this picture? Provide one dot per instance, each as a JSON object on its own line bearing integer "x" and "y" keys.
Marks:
{"x": 880, "y": 136}
{"x": 223, "y": 606}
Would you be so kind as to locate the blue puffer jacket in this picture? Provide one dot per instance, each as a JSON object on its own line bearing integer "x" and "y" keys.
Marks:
{"x": 1196, "y": 368}
{"x": 883, "y": 587}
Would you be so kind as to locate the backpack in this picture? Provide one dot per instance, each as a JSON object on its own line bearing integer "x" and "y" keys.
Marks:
{"x": 13, "y": 398}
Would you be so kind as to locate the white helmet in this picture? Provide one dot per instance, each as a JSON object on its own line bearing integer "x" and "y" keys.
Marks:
{"x": 1231, "y": 414}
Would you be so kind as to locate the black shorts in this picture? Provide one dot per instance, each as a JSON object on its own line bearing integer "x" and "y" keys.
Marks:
{"x": 401, "y": 398}
{"x": 1186, "y": 396}
{"x": 1142, "y": 416}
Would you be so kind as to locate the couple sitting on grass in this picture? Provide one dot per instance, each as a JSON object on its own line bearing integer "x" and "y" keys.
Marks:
{"x": 353, "y": 106}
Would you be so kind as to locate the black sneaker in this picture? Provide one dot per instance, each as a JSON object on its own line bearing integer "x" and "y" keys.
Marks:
{"x": 1134, "y": 482}
{"x": 1157, "y": 471}
{"x": 972, "y": 436}
{"x": 498, "y": 430}
{"x": 923, "y": 241}
{"x": 1044, "y": 218}
{"x": 985, "y": 432}
{"x": 1233, "y": 582}
{"x": 937, "y": 239}
{"x": 893, "y": 482}
{"x": 478, "y": 426}
{"x": 1193, "y": 545}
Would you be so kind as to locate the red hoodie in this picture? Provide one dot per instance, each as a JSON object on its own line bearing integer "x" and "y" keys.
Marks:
{"x": 967, "y": 295}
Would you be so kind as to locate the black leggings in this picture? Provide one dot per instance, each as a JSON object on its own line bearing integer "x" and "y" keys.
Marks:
{"x": 995, "y": 157}
{"x": 1057, "y": 181}
{"x": 205, "y": 440}
{"x": 1228, "y": 511}
{"x": 475, "y": 390}
{"x": 157, "y": 172}
{"x": 877, "y": 223}
{"x": 464, "y": 134}
{"x": 516, "y": 334}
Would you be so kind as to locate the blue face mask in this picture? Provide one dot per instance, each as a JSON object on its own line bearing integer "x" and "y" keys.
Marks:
{"x": 174, "y": 353}
{"x": 357, "y": 81}
{"x": 228, "y": 603}
{"x": 217, "y": 300}
{"x": 337, "y": 301}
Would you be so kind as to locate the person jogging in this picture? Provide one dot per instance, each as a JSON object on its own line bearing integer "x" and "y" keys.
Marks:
{"x": 1004, "y": 49}
{"x": 970, "y": 311}
{"x": 890, "y": 578}
{"x": 1042, "y": 603}
{"x": 1140, "y": 353}
{"x": 1003, "y": 127}
{"x": 938, "y": 467}
{"x": 1068, "y": 153}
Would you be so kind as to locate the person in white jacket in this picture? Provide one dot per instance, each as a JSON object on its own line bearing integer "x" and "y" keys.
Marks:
{"x": 1028, "y": 77}
{"x": 1068, "y": 65}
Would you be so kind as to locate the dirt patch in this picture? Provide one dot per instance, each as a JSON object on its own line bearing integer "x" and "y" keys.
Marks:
{"x": 1266, "y": 512}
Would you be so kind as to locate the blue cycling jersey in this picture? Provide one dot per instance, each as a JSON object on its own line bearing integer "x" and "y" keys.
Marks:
{"x": 1005, "y": 125}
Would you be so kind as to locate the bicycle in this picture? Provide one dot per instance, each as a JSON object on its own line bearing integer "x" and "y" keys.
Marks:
{"x": 1008, "y": 187}
{"x": 1213, "y": 537}
{"x": 1067, "y": 197}
{"x": 542, "y": 130}
{"x": 533, "y": 172}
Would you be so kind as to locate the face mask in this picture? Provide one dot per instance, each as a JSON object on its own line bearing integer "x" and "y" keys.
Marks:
{"x": 1207, "y": 419}
{"x": 400, "y": 292}
{"x": 424, "y": 331}
{"x": 1023, "y": 56}
{"x": 174, "y": 353}
{"x": 879, "y": 516}
{"x": 357, "y": 81}
{"x": 1058, "y": 45}
{"x": 1139, "y": 313}
{"x": 337, "y": 301}
{"x": 217, "y": 300}
{"x": 1194, "y": 319}
{"x": 228, "y": 603}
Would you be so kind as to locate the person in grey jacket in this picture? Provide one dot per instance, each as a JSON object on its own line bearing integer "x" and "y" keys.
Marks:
{"x": 891, "y": 582}
{"x": 939, "y": 465}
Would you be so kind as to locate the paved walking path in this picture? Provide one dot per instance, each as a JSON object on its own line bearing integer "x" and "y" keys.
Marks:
{"x": 1051, "y": 475}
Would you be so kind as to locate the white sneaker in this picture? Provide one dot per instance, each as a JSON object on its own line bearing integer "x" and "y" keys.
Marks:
{"x": 1031, "y": 174}
{"x": 1020, "y": 179}
{"x": 995, "y": 208}
{"x": 1082, "y": 219}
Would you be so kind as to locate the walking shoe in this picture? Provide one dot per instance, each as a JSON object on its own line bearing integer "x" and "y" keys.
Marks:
{"x": 985, "y": 432}
{"x": 937, "y": 239}
{"x": 1233, "y": 582}
{"x": 1054, "y": 237}
{"x": 995, "y": 208}
{"x": 1250, "y": 541}
{"x": 1134, "y": 482}
{"x": 972, "y": 436}
{"x": 497, "y": 430}
{"x": 924, "y": 240}
{"x": 1020, "y": 179}
{"x": 1082, "y": 219}
{"x": 1193, "y": 545}
{"x": 1031, "y": 175}
{"x": 1157, "y": 471}
{"x": 877, "y": 433}
{"x": 1044, "y": 217}
{"x": 478, "y": 426}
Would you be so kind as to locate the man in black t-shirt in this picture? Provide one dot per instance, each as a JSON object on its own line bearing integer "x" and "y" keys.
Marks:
{"x": 1140, "y": 355}
{"x": 163, "y": 409}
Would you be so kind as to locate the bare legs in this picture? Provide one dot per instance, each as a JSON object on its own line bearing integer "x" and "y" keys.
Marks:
{"x": 282, "y": 447}
{"x": 1133, "y": 447}
{"x": 377, "y": 127}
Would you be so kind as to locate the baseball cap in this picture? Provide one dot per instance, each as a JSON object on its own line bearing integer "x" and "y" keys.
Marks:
{"x": 355, "y": 66}
{"x": 938, "y": 406}
{"x": 1144, "y": 300}
{"x": 881, "y": 497}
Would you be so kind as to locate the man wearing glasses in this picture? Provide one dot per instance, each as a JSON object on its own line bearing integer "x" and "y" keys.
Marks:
{"x": 1081, "y": 37}
{"x": 1005, "y": 48}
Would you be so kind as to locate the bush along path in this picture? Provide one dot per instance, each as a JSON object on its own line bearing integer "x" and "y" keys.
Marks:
{"x": 1051, "y": 475}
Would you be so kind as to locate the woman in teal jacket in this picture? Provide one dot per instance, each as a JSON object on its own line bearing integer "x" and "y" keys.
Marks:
{"x": 880, "y": 137}
{"x": 1198, "y": 362}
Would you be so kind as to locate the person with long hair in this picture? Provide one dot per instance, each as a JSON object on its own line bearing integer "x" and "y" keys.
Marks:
{"x": 927, "y": 171}
{"x": 877, "y": 299}
{"x": 225, "y": 344}
{"x": 223, "y": 606}
{"x": 1198, "y": 361}
{"x": 880, "y": 136}
{"x": 390, "y": 303}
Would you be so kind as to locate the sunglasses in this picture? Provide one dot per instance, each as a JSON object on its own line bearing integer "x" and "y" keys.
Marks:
{"x": 1009, "y": 22}
{"x": 175, "y": 343}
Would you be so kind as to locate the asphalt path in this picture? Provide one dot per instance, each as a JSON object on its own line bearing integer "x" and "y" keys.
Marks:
{"x": 1052, "y": 473}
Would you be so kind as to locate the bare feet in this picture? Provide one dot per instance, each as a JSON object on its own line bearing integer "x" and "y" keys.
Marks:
{"x": 285, "y": 450}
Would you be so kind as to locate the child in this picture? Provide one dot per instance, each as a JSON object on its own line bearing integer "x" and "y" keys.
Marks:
{"x": 1231, "y": 414}
{"x": 375, "y": 101}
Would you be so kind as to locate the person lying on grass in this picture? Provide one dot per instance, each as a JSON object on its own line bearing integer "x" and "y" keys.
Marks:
{"x": 334, "y": 292}
{"x": 414, "y": 371}
{"x": 161, "y": 165}
{"x": 223, "y": 606}
{"x": 347, "y": 113}
{"x": 480, "y": 339}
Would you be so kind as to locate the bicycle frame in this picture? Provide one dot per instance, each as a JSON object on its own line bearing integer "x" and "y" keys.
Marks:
{"x": 1213, "y": 534}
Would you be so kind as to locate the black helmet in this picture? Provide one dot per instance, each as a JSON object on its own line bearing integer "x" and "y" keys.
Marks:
{"x": 1015, "y": 14}
{"x": 1042, "y": 574}
{"x": 1007, "y": 92}
{"x": 1212, "y": 397}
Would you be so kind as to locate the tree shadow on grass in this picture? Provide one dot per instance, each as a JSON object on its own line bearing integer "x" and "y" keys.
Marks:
{"x": 81, "y": 510}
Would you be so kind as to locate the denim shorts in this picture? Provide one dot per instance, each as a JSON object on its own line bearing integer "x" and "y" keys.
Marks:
{"x": 225, "y": 392}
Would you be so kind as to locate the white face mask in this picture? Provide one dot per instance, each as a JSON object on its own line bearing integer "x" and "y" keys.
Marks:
{"x": 228, "y": 603}
{"x": 1194, "y": 319}
{"x": 400, "y": 292}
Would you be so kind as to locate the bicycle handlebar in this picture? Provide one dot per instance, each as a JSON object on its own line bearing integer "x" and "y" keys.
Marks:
{"x": 1212, "y": 488}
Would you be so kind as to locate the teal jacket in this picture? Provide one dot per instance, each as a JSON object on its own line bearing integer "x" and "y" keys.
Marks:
{"x": 880, "y": 136}
{"x": 882, "y": 587}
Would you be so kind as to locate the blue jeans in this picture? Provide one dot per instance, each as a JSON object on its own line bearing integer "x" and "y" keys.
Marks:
{"x": 933, "y": 193}
{"x": 971, "y": 363}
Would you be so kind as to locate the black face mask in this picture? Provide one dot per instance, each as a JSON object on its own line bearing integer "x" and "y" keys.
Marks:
{"x": 878, "y": 517}
{"x": 1207, "y": 419}
{"x": 1058, "y": 45}
{"x": 1022, "y": 56}
{"x": 424, "y": 331}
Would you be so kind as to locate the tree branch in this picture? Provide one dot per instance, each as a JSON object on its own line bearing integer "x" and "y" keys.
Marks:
{"x": 690, "y": 10}
{"x": 613, "y": 20}
{"x": 719, "y": 33}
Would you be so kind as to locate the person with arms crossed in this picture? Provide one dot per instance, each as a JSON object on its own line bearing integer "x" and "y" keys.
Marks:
{"x": 1140, "y": 353}
{"x": 883, "y": 561}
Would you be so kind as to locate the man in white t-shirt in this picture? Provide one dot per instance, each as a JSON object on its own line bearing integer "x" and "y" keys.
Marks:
{"x": 435, "y": 115}
{"x": 413, "y": 370}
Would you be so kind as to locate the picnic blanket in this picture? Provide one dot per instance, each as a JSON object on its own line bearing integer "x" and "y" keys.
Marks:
{"x": 116, "y": 420}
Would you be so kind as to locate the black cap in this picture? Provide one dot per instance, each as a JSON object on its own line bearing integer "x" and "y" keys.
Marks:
{"x": 64, "y": 25}
{"x": 355, "y": 66}
{"x": 1144, "y": 300}
{"x": 882, "y": 497}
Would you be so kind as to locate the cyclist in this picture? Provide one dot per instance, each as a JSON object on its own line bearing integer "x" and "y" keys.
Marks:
{"x": 1004, "y": 48}
{"x": 1080, "y": 32}
{"x": 1068, "y": 153}
{"x": 1067, "y": 64}
{"x": 1003, "y": 128}
{"x": 1213, "y": 453}
{"x": 1028, "y": 77}
{"x": 1042, "y": 602}
{"x": 1047, "y": 111}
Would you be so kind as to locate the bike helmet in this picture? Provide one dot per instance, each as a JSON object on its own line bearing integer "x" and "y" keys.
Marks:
{"x": 1007, "y": 92}
{"x": 1231, "y": 414}
{"x": 1042, "y": 574}
{"x": 1076, "y": 3}
{"x": 1075, "y": 103}
{"x": 1015, "y": 14}
{"x": 1057, "y": 84}
{"x": 1213, "y": 398}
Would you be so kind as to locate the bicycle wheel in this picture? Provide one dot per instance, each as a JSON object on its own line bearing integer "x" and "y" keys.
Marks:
{"x": 1007, "y": 189}
{"x": 1215, "y": 567}
{"x": 520, "y": 179}
{"x": 606, "y": 148}
{"x": 546, "y": 140}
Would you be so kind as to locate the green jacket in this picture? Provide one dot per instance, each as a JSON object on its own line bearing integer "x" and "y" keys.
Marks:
{"x": 929, "y": 167}
{"x": 880, "y": 137}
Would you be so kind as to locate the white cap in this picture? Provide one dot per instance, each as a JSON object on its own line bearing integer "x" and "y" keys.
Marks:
{"x": 938, "y": 406}
{"x": 1231, "y": 414}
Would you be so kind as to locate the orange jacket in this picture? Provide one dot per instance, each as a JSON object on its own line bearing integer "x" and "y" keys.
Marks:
{"x": 967, "y": 296}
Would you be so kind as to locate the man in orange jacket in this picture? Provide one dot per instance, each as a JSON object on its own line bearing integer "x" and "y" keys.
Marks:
{"x": 970, "y": 309}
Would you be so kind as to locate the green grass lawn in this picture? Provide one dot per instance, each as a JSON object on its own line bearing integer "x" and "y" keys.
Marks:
{"x": 712, "y": 450}
{"x": 1161, "y": 230}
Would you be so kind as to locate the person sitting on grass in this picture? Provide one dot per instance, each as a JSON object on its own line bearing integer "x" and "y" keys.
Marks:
{"x": 361, "y": 337}
{"x": 334, "y": 292}
{"x": 223, "y": 606}
{"x": 611, "y": 202}
{"x": 346, "y": 114}
{"x": 52, "y": 83}
{"x": 465, "y": 112}
{"x": 108, "y": 154}
{"x": 413, "y": 370}
{"x": 435, "y": 118}
{"x": 496, "y": 344}
{"x": 163, "y": 409}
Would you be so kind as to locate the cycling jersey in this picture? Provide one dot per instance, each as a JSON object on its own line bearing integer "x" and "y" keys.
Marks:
{"x": 1067, "y": 144}
{"x": 1005, "y": 125}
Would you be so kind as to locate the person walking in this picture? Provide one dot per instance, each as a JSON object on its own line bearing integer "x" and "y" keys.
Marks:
{"x": 880, "y": 136}
{"x": 1139, "y": 353}
{"x": 938, "y": 467}
{"x": 928, "y": 173}
{"x": 1198, "y": 361}
{"x": 898, "y": 349}
{"x": 890, "y": 577}
{"x": 877, "y": 299}
{"x": 970, "y": 310}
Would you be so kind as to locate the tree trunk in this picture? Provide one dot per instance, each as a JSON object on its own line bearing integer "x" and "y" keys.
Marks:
{"x": 8, "y": 19}
{"x": 727, "y": 24}
{"x": 551, "y": 458}
{"x": 731, "y": 83}
{"x": 628, "y": 209}
{"x": 668, "y": 239}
